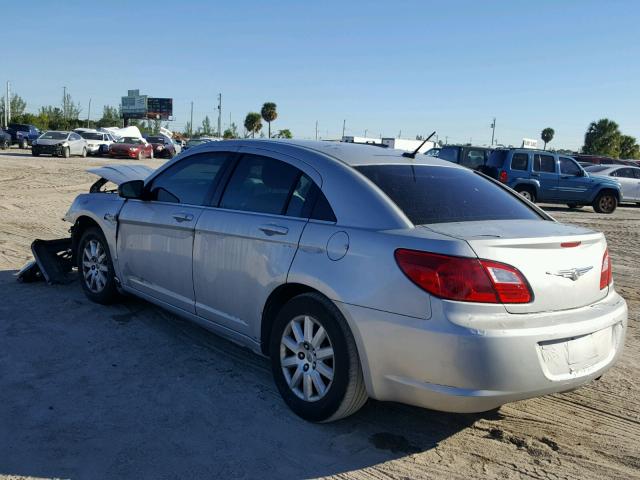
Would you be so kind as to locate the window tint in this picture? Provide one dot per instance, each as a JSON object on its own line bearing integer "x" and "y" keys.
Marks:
{"x": 497, "y": 158}
{"x": 596, "y": 168}
{"x": 520, "y": 161}
{"x": 473, "y": 159}
{"x": 449, "y": 153}
{"x": 544, "y": 163}
{"x": 322, "y": 209}
{"x": 428, "y": 194}
{"x": 625, "y": 173}
{"x": 636, "y": 172}
{"x": 300, "y": 201}
{"x": 569, "y": 167}
{"x": 260, "y": 184}
{"x": 189, "y": 181}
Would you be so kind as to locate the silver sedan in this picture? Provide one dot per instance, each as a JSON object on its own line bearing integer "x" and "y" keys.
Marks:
{"x": 360, "y": 272}
{"x": 628, "y": 176}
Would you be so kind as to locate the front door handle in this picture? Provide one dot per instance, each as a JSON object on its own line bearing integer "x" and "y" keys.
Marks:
{"x": 271, "y": 230}
{"x": 182, "y": 217}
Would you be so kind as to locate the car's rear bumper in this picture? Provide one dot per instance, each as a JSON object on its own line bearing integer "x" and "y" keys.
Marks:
{"x": 443, "y": 365}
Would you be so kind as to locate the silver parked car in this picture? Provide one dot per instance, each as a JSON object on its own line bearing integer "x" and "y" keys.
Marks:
{"x": 360, "y": 272}
{"x": 62, "y": 144}
{"x": 627, "y": 176}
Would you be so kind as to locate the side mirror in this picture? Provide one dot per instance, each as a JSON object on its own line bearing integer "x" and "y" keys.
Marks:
{"x": 132, "y": 189}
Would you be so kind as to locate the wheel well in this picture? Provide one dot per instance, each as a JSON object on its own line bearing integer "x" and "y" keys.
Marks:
{"x": 610, "y": 190}
{"x": 274, "y": 303}
{"x": 81, "y": 225}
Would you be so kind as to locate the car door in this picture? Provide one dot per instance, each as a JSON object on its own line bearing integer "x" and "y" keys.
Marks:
{"x": 545, "y": 171}
{"x": 573, "y": 184}
{"x": 628, "y": 182}
{"x": 636, "y": 191}
{"x": 75, "y": 144}
{"x": 245, "y": 245}
{"x": 155, "y": 235}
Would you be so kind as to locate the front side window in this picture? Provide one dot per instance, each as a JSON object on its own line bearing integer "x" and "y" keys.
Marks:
{"x": 544, "y": 163}
{"x": 190, "y": 181}
{"x": 520, "y": 161}
{"x": 434, "y": 194}
{"x": 260, "y": 184}
{"x": 569, "y": 167}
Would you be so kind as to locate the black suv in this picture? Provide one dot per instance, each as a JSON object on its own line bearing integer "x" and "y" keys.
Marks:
{"x": 471, "y": 157}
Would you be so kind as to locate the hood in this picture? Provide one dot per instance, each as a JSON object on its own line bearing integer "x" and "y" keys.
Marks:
{"x": 604, "y": 179}
{"x": 49, "y": 141}
{"x": 122, "y": 173}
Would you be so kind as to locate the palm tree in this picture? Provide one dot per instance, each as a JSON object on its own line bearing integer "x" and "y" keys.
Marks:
{"x": 602, "y": 138}
{"x": 269, "y": 114}
{"x": 547, "y": 135}
{"x": 252, "y": 123}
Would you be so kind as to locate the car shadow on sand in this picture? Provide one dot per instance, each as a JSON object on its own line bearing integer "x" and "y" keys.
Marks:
{"x": 15, "y": 153}
{"x": 131, "y": 391}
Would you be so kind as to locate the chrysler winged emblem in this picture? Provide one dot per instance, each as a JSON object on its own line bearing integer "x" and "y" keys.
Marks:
{"x": 572, "y": 273}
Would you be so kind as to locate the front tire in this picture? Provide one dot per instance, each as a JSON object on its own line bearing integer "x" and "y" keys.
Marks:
{"x": 23, "y": 143}
{"x": 97, "y": 275}
{"x": 84, "y": 152}
{"x": 65, "y": 152}
{"x": 140, "y": 155}
{"x": 605, "y": 202}
{"x": 315, "y": 361}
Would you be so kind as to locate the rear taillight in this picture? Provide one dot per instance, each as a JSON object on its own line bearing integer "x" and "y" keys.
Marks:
{"x": 464, "y": 279}
{"x": 503, "y": 176}
{"x": 606, "y": 275}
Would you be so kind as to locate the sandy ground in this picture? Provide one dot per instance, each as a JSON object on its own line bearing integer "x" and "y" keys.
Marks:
{"x": 130, "y": 391}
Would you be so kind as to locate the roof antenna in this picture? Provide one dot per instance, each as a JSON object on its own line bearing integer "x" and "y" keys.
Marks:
{"x": 413, "y": 154}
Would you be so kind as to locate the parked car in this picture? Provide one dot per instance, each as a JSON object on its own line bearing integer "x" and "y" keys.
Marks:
{"x": 548, "y": 177}
{"x": 194, "y": 142}
{"x": 97, "y": 142}
{"x": 61, "y": 144}
{"x": 600, "y": 160}
{"x": 22, "y": 134}
{"x": 132, "y": 147}
{"x": 433, "y": 152}
{"x": 628, "y": 177}
{"x": 360, "y": 273}
{"x": 162, "y": 146}
{"x": 467, "y": 156}
{"x": 5, "y": 139}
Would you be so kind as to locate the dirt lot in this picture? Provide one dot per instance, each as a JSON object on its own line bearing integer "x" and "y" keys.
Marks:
{"x": 130, "y": 391}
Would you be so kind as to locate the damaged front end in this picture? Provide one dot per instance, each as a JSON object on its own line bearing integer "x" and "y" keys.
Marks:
{"x": 54, "y": 260}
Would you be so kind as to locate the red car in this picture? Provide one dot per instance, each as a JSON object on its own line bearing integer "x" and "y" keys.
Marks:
{"x": 131, "y": 147}
{"x": 162, "y": 146}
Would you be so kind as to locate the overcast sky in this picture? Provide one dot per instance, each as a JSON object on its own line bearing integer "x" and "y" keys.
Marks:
{"x": 384, "y": 67}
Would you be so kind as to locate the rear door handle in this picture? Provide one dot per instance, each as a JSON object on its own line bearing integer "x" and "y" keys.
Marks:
{"x": 271, "y": 230}
{"x": 182, "y": 217}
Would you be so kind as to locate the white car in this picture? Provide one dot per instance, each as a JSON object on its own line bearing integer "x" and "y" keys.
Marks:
{"x": 627, "y": 175}
{"x": 97, "y": 142}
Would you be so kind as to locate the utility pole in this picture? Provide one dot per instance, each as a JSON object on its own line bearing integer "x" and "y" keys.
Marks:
{"x": 219, "y": 115}
{"x": 191, "y": 121}
{"x": 365, "y": 133}
{"x": 64, "y": 103}
{"x": 7, "y": 105}
{"x": 400, "y": 134}
{"x": 344, "y": 124}
{"x": 446, "y": 140}
{"x": 89, "y": 114}
{"x": 493, "y": 130}
{"x": 316, "y": 129}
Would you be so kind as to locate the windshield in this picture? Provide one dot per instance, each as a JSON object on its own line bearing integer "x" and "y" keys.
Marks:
{"x": 596, "y": 168}
{"x": 135, "y": 140}
{"x": 91, "y": 135}
{"x": 155, "y": 139}
{"x": 435, "y": 194}
{"x": 54, "y": 136}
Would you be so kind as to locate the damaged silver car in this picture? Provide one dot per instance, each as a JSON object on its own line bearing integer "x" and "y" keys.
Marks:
{"x": 359, "y": 271}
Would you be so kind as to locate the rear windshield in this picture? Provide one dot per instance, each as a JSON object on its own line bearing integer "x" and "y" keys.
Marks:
{"x": 432, "y": 194}
{"x": 91, "y": 135}
{"x": 497, "y": 158}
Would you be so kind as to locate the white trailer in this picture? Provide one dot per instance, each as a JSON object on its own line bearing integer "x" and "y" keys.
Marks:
{"x": 407, "y": 144}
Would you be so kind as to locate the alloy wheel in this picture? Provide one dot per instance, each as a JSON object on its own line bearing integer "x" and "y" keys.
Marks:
{"x": 307, "y": 358}
{"x": 94, "y": 266}
{"x": 606, "y": 203}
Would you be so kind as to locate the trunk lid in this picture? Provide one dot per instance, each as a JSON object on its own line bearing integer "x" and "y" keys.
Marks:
{"x": 561, "y": 274}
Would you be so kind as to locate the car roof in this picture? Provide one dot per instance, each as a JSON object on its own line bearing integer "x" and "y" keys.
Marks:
{"x": 354, "y": 154}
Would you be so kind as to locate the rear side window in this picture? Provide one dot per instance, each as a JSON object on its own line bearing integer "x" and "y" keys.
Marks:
{"x": 473, "y": 159}
{"x": 544, "y": 163}
{"x": 430, "y": 194}
{"x": 520, "y": 161}
{"x": 449, "y": 153}
{"x": 190, "y": 181}
{"x": 260, "y": 184}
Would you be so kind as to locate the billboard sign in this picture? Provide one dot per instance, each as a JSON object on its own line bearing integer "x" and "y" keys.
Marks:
{"x": 134, "y": 105}
{"x": 160, "y": 108}
{"x": 529, "y": 143}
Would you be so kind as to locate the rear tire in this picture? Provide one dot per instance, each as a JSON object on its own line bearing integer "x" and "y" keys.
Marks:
{"x": 528, "y": 193}
{"x": 320, "y": 386}
{"x": 95, "y": 266}
{"x": 605, "y": 202}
